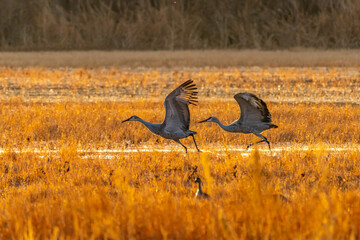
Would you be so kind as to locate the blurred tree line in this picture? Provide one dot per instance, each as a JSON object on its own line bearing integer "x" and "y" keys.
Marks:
{"x": 178, "y": 24}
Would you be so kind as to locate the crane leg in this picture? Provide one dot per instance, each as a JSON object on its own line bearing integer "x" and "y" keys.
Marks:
{"x": 195, "y": 143}
{"x": 264, "y": 140}
{"x": 178, "y": 141}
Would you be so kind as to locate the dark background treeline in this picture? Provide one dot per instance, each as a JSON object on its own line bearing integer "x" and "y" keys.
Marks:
{"x": 178, "y": 24}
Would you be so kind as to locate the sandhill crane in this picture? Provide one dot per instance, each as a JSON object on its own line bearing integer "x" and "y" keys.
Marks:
{"x": 177, "y": 116}
{"x": 255, "y": 117}
{"x": 199, "y": 193}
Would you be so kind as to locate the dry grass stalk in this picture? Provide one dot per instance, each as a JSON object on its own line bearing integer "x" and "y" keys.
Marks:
{"x": 68, "y": 189}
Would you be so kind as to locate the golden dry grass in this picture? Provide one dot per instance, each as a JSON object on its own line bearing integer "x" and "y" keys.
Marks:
{"x": 56, "y": 184}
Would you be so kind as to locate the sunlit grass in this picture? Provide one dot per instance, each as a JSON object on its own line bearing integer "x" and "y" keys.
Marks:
{"x": 53, "y": 187}
{"x": 312, "y": 85}
{"x": 99, "y": 124}
{"x": 150, "y": 194}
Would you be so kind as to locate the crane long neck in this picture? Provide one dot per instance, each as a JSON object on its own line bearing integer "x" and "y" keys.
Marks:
{"x": 151, "y": 126}
{"x": 199, "y": 188}
{"x": 225, "y": 127}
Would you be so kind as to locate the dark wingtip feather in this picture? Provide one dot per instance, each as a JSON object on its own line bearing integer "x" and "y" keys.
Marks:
{"x": 188, "y": 89}
{"x": 190, "y": 81}
{"x": 264, "y": 110}
{"x": 189, "y": 86}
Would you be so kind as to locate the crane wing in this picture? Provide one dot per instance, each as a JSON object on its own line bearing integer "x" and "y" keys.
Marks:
{"x": 253, "y": 109}
{"x": 177, "y": 113}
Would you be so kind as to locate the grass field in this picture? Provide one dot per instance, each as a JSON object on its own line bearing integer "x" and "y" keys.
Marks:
{"x": 71, "y": 170}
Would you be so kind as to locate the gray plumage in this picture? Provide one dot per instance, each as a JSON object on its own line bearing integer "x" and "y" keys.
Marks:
{"x": 177, "y": 115}
{"x": 199, "y": 193}
{"x": 255, "y": 117}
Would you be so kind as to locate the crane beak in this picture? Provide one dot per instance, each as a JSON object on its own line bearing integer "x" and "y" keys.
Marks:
{"x": 204, "y": 120}
{"x": 126, "y": 120}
